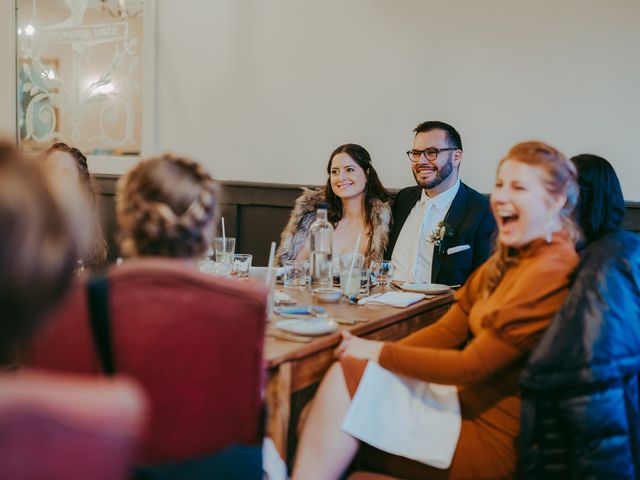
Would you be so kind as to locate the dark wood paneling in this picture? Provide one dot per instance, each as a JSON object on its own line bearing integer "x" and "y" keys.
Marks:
{"x": 256, "y": 213}
{"x": 259, "y": 226}
{"x": 632, "y": 216}
{"x": 107, "y": 208}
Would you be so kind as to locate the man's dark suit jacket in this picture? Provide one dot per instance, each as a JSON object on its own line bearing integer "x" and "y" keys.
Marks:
{"x": 472, "y": 222}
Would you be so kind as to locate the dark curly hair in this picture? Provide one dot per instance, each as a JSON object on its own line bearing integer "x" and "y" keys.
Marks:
{"x": 373, "y": 188}
{"x": 98, "y": 254}
{"x": 166, "y": 206}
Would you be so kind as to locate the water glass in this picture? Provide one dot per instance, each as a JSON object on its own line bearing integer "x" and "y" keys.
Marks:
{"x": 356, "y": 284}
{"x": 382, "y": 272}
{"x": 348, "y": 259}
{"x": 296, "y": 273}
{"x": 224, "y": 248}
{"x": 241, "y": 264}
{"x": 225, "y": 266}
{"x": 365, "y": 281}
{"x": 350, "y": 282}
{"x": 350, "y": 271}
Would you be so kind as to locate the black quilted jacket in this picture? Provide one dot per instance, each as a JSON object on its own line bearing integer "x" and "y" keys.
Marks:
{"x": 580, "y": 399}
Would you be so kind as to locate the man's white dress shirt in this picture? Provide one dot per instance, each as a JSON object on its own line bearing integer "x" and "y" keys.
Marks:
{"x": 413, "y": 253}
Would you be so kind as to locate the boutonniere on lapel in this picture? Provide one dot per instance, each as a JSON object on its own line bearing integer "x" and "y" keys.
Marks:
{"x": 438, "y": 235}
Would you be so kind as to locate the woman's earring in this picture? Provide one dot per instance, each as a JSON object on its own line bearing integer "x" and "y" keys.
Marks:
{"x": 548, "y": 232}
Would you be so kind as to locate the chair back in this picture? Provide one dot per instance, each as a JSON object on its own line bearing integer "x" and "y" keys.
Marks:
{"x": 193, "y": 341}
{"x": 56, "y": 427}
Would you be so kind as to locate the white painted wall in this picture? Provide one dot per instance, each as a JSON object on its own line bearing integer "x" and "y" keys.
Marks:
{"x": 263, "y": 90}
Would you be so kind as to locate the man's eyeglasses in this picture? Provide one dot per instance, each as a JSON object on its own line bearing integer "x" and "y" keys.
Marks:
{"x": 430, "y": 153}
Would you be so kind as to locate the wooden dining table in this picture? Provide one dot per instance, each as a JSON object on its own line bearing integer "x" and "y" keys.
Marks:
{"x": 295, "y": 366}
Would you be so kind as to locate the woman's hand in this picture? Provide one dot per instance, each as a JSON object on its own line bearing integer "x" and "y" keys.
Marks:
{"x": 358, "y": 347}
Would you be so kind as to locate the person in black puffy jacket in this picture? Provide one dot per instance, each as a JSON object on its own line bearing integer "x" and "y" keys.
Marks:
{"x": 580, "y": 397}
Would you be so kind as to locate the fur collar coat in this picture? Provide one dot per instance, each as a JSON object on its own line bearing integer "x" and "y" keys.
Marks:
{"x": 304, "y": 214}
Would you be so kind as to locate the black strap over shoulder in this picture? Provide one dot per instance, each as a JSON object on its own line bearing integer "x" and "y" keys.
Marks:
{"x": 99, "y": 316}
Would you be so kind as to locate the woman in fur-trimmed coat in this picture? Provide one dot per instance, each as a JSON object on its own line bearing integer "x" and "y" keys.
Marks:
{"x": 357, "y": 203}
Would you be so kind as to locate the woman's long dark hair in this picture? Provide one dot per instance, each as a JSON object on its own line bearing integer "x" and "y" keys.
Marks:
{"x": 373, "y": 188}
{"x": 98, "y": 254}
{"x": 600, "y": 207}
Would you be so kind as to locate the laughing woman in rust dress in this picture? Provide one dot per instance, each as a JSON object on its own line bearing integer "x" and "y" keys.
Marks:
{"x": 504, "y": 309}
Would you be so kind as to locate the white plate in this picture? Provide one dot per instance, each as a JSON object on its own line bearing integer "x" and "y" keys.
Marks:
{"x": 311, "y": 327}
{"x": 431, "y": 288}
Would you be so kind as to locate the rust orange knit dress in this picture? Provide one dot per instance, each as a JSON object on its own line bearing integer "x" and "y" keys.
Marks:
{"x": 503, "y": 329}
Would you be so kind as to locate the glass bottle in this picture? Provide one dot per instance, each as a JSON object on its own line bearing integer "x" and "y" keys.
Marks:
{"x": 321, "y": 238}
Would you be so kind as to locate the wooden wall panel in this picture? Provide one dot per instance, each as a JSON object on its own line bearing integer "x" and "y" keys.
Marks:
{"x": 259, "y": 226}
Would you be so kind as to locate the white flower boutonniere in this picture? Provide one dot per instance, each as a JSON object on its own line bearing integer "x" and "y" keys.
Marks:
{"x": 439, "y": 233}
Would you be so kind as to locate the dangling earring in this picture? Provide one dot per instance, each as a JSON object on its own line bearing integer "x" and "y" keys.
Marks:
{"x": 548, "y": 232}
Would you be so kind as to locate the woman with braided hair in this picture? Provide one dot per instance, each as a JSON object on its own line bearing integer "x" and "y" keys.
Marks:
{"x": 166, "y": 206}
{"x": 72, "y": 164}
{"x": 158, "y": 319}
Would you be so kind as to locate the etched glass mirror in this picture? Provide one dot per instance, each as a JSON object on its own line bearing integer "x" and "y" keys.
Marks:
{"x": 79, "y": 74}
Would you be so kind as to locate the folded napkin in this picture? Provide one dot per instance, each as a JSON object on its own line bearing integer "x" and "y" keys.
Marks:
{"x": 407, "y": 417}
{"x": 281, "y": 298}
{"x": 395, "y": 299}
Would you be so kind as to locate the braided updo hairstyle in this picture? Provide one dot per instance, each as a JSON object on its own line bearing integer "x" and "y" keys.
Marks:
{"x": 166, "y": 206}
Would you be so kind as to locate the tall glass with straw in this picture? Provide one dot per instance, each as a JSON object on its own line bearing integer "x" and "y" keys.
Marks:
{"x": 224, "y": 249}
{"x": 351, "y": 271}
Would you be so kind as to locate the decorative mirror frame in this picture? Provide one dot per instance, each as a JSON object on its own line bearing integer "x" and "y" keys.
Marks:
{"x": 101, "y": 164}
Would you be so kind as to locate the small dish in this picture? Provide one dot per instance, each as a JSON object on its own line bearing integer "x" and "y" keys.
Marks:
{"x": 311, "y": 327}
{"x": 327, "y": 294}
{"x": 300, "y": 311}
{"x": 430, "y": 288}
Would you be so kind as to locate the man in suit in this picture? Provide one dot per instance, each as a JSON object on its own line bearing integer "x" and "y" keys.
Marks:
{"x": 442, "y": 229}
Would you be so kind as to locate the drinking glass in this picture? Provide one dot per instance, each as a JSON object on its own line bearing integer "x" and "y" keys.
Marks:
{"x": 241, "y": 264}
{"x": 350, "y": 273}
{"x": 296, "y": 273}
{"x": 224, "y": 248}
{"x": 382, "y": 272}
{"x": 365, "y": 281}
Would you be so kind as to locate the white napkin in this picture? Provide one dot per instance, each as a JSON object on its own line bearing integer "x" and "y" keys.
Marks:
{"x": 279, "y": 297}
{"x": 395, "y": 299}
{"x": 407, "y": 417}
{"x": 273, "y": 467}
